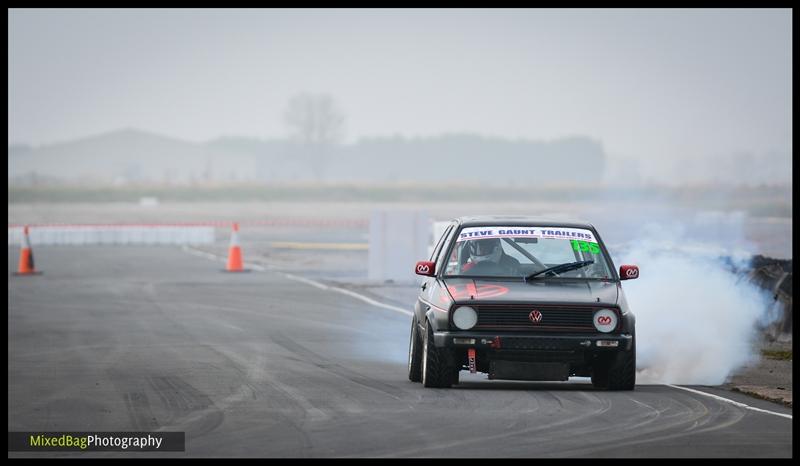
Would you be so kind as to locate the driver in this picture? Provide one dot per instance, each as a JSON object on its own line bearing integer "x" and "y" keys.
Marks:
{"x": 487, "y": 256}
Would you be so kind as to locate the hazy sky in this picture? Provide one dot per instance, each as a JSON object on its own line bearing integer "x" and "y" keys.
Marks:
{"x": 647, "y": 83}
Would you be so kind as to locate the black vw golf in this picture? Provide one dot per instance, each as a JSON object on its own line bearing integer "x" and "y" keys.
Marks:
{"x": 522, "y": 299}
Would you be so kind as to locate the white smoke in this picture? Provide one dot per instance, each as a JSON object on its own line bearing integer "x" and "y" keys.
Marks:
{"x": 696, "y": 321}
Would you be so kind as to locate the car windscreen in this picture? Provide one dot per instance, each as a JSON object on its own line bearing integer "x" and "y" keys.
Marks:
{"x": 518, "y": 251}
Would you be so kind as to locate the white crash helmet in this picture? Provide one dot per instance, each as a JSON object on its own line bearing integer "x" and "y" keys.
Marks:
{"x": 485, "y": 250}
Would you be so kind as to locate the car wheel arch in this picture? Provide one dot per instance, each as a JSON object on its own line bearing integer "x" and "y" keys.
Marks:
{"x": 430, "y": 319}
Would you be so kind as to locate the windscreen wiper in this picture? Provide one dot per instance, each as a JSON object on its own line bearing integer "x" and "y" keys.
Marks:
{"x": 561, "y": 268}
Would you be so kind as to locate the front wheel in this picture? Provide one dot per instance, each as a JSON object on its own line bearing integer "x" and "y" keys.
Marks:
{"x": 436, "y": 371}
{"x": 617, "y": 372}
{"x": 414, "y": 354}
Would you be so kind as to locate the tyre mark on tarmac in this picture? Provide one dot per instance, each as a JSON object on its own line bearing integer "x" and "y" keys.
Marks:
{"x": 265, "y": 387}
{"x": 193, "y": 410}
{"x": 553, "y": 395}
{"x": 327, "y": 365}
{"x": 347, "y": 410}
{"x": 294, "y": 419}
{"x": 696, "y": 412}
{"x": 601, "y": 406}
{"x": 279, "y": 399}
{"x": 633, "y": 431}
{"x": 300, "y": 354}
{"x": 140, "y": 412}
{"x": 726, "y": 400}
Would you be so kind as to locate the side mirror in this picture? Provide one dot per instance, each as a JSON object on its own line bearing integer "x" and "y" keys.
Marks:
{"x": 628, "y": 272}
{"x": 426, "y": 268}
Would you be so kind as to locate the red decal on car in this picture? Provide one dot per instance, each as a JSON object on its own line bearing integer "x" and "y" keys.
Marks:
{"x": 479, "y": 292}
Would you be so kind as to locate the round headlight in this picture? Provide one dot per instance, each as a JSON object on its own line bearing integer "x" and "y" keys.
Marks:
{"x": 465, "y": 317}
{"x": 605, "y": 320}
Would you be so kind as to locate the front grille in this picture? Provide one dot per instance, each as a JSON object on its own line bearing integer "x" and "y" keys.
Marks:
{"x": 554, "y": 318}
{"x": 540, "y": 344}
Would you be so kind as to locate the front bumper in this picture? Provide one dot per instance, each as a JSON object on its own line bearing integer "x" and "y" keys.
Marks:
{"x": 528, "y": 342}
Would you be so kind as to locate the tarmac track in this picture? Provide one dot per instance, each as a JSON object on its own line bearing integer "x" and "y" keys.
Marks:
{"x": 255, "y": 364}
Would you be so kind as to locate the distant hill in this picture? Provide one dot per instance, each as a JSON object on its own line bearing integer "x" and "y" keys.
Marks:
{"x": 131, "y": 155}
{"x": 126, "y": 155}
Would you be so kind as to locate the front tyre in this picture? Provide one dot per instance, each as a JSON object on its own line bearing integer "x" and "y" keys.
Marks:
{"x": 414, "y": 354}
{"x": 617, "y": 372}
{"x": 436, "y": 372}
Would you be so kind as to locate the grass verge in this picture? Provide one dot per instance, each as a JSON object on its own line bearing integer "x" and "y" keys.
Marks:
{"x": 763, "y": 396}
{"x": 780, "y": 355}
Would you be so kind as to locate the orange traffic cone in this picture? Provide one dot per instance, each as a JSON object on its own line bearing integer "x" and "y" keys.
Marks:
{"x": 235, "y": 252}
{"x": 26, "y": 256}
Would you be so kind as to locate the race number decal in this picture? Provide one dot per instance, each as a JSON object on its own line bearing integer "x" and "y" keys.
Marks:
{"x": 585, "y": 246}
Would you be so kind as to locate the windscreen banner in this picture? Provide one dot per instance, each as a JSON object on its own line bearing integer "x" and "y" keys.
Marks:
{"x": 580, "y": 234}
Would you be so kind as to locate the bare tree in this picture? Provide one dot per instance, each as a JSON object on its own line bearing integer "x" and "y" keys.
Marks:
{"x": 315, "y": 119}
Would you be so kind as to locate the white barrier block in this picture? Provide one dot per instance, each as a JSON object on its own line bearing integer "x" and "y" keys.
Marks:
{"x": 397, "y": 240}
{"x": 117, "y": 235}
